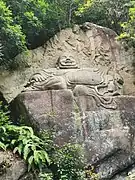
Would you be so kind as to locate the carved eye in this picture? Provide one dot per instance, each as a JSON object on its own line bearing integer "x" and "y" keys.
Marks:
{"x": 120, "y": 81}
{"x": 71, "y": 57}
{"x": 63, "y": 57}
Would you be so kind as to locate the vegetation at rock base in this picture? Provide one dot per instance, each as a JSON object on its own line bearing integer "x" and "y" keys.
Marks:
{"x": 21, "y": 139}
{"x": 43, "y": 157}
{"x": 29, "y": 24}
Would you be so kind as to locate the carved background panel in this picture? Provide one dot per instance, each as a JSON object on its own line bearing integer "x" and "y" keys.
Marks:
{"x": 91, "y": 45}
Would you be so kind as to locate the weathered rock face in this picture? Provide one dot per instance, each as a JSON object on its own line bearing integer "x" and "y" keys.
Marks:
{"x": 11, "y": 166}
{"x": 80, "y": 92}
{"x": 107, "y": 135}
{"x": 92, "y": 45}
{"x": 47, "y": 110}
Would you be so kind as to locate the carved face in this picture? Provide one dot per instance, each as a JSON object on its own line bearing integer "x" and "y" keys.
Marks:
{"x": 118, "y": 81}
{"x": 66, "y": 61}
{"x": 112, "y": 86}
{"x": 115, "y": 84}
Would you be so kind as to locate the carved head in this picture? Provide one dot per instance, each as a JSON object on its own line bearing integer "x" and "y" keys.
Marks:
{"x": 115, "y": 84}
{"x": 119, "y": 80}
{"x": 66, "y": 61}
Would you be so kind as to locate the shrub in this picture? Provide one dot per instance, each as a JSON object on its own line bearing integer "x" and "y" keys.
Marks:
{"x": 21, "y": 139}
{"x": 69, "y": 161}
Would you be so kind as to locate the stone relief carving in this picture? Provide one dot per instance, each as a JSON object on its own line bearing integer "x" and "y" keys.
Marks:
{"x": 101, "y": 85}
{"x": 66, "y": 61}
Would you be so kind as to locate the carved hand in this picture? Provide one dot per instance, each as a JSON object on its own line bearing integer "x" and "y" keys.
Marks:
{"x": 37, "y": 78}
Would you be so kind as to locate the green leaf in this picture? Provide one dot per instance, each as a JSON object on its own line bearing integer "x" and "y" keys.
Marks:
{"x": 26, "y": 141}
{"x": 26, "y": 151}
{"x": 30, "y": 162}
{"x": 33, "y": 147}
{"x": 15, "y": 150}
{"x": 36, "y": 157}
{"x": 13, "y": 141}
{"x": 46, "y": 157}
{"x": 3, "y": 129}
{"x": 3, "y": 146}
{"x": 20, "y": 148}
{"x": 29, "y": 129}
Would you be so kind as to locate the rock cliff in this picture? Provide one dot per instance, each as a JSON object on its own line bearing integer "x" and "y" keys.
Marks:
{"x": 80, "y": 84}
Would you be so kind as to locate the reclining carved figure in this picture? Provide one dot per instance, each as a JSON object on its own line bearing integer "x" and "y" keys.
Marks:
{"x": 85, "y": 81}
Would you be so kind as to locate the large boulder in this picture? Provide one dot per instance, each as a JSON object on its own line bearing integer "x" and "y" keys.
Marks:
{"x": 106, "y": 134}
{"x": 80, "y": 85}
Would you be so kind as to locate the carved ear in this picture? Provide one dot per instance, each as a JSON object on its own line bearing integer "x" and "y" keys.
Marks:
{"x": 57, "y": 66}
{"x": 57, "y": 63}
{"x": 120, "y": 81}
{"x": 119, "y": 78}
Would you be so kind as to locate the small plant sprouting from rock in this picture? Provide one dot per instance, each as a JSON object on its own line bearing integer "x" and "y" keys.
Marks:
{"x": 69, "y": 162}
{"x": 45, "y": 176}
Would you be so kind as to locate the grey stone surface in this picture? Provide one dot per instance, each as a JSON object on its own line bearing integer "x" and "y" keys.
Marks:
{"x": 29, "y": 176}
{"x": 128, "y": 174}
{"x": 107, "y": 135}
{"x": 47, "y": 109}
{"x": 11, "y": 166}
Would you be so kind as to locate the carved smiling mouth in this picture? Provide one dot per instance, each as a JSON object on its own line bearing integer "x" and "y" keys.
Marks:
{"x": 68, "y": 61}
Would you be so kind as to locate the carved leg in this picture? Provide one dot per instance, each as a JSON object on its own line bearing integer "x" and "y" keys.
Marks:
{"x": 81, "y": 90}
{"x": 100, "y": 86}
{"x": 55, "y": 82}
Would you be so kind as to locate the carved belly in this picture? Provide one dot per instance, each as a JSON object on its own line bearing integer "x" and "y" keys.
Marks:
{"x": 83, "y": 77}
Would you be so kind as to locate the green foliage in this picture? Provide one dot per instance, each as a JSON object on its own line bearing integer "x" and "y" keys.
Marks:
{"x": 30, "y": 15}
{"x": 103, "y": 12}
{"x": 21, "y": 23}
{"x": 29, "y": 146}
{"x": 46, "y": 176}
{"x": 129, "y": 26}
{"x": 4, "y": 115}
{"x": 12, "y": 38}
{"x": 69, "y": 161}
{"x": 90, "y": 173}
{"x": 62, "y": 12}
{"x": 21, "y": 139}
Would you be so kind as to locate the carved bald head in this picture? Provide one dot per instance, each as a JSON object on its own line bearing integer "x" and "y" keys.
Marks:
{"x": 66, "y": 61}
